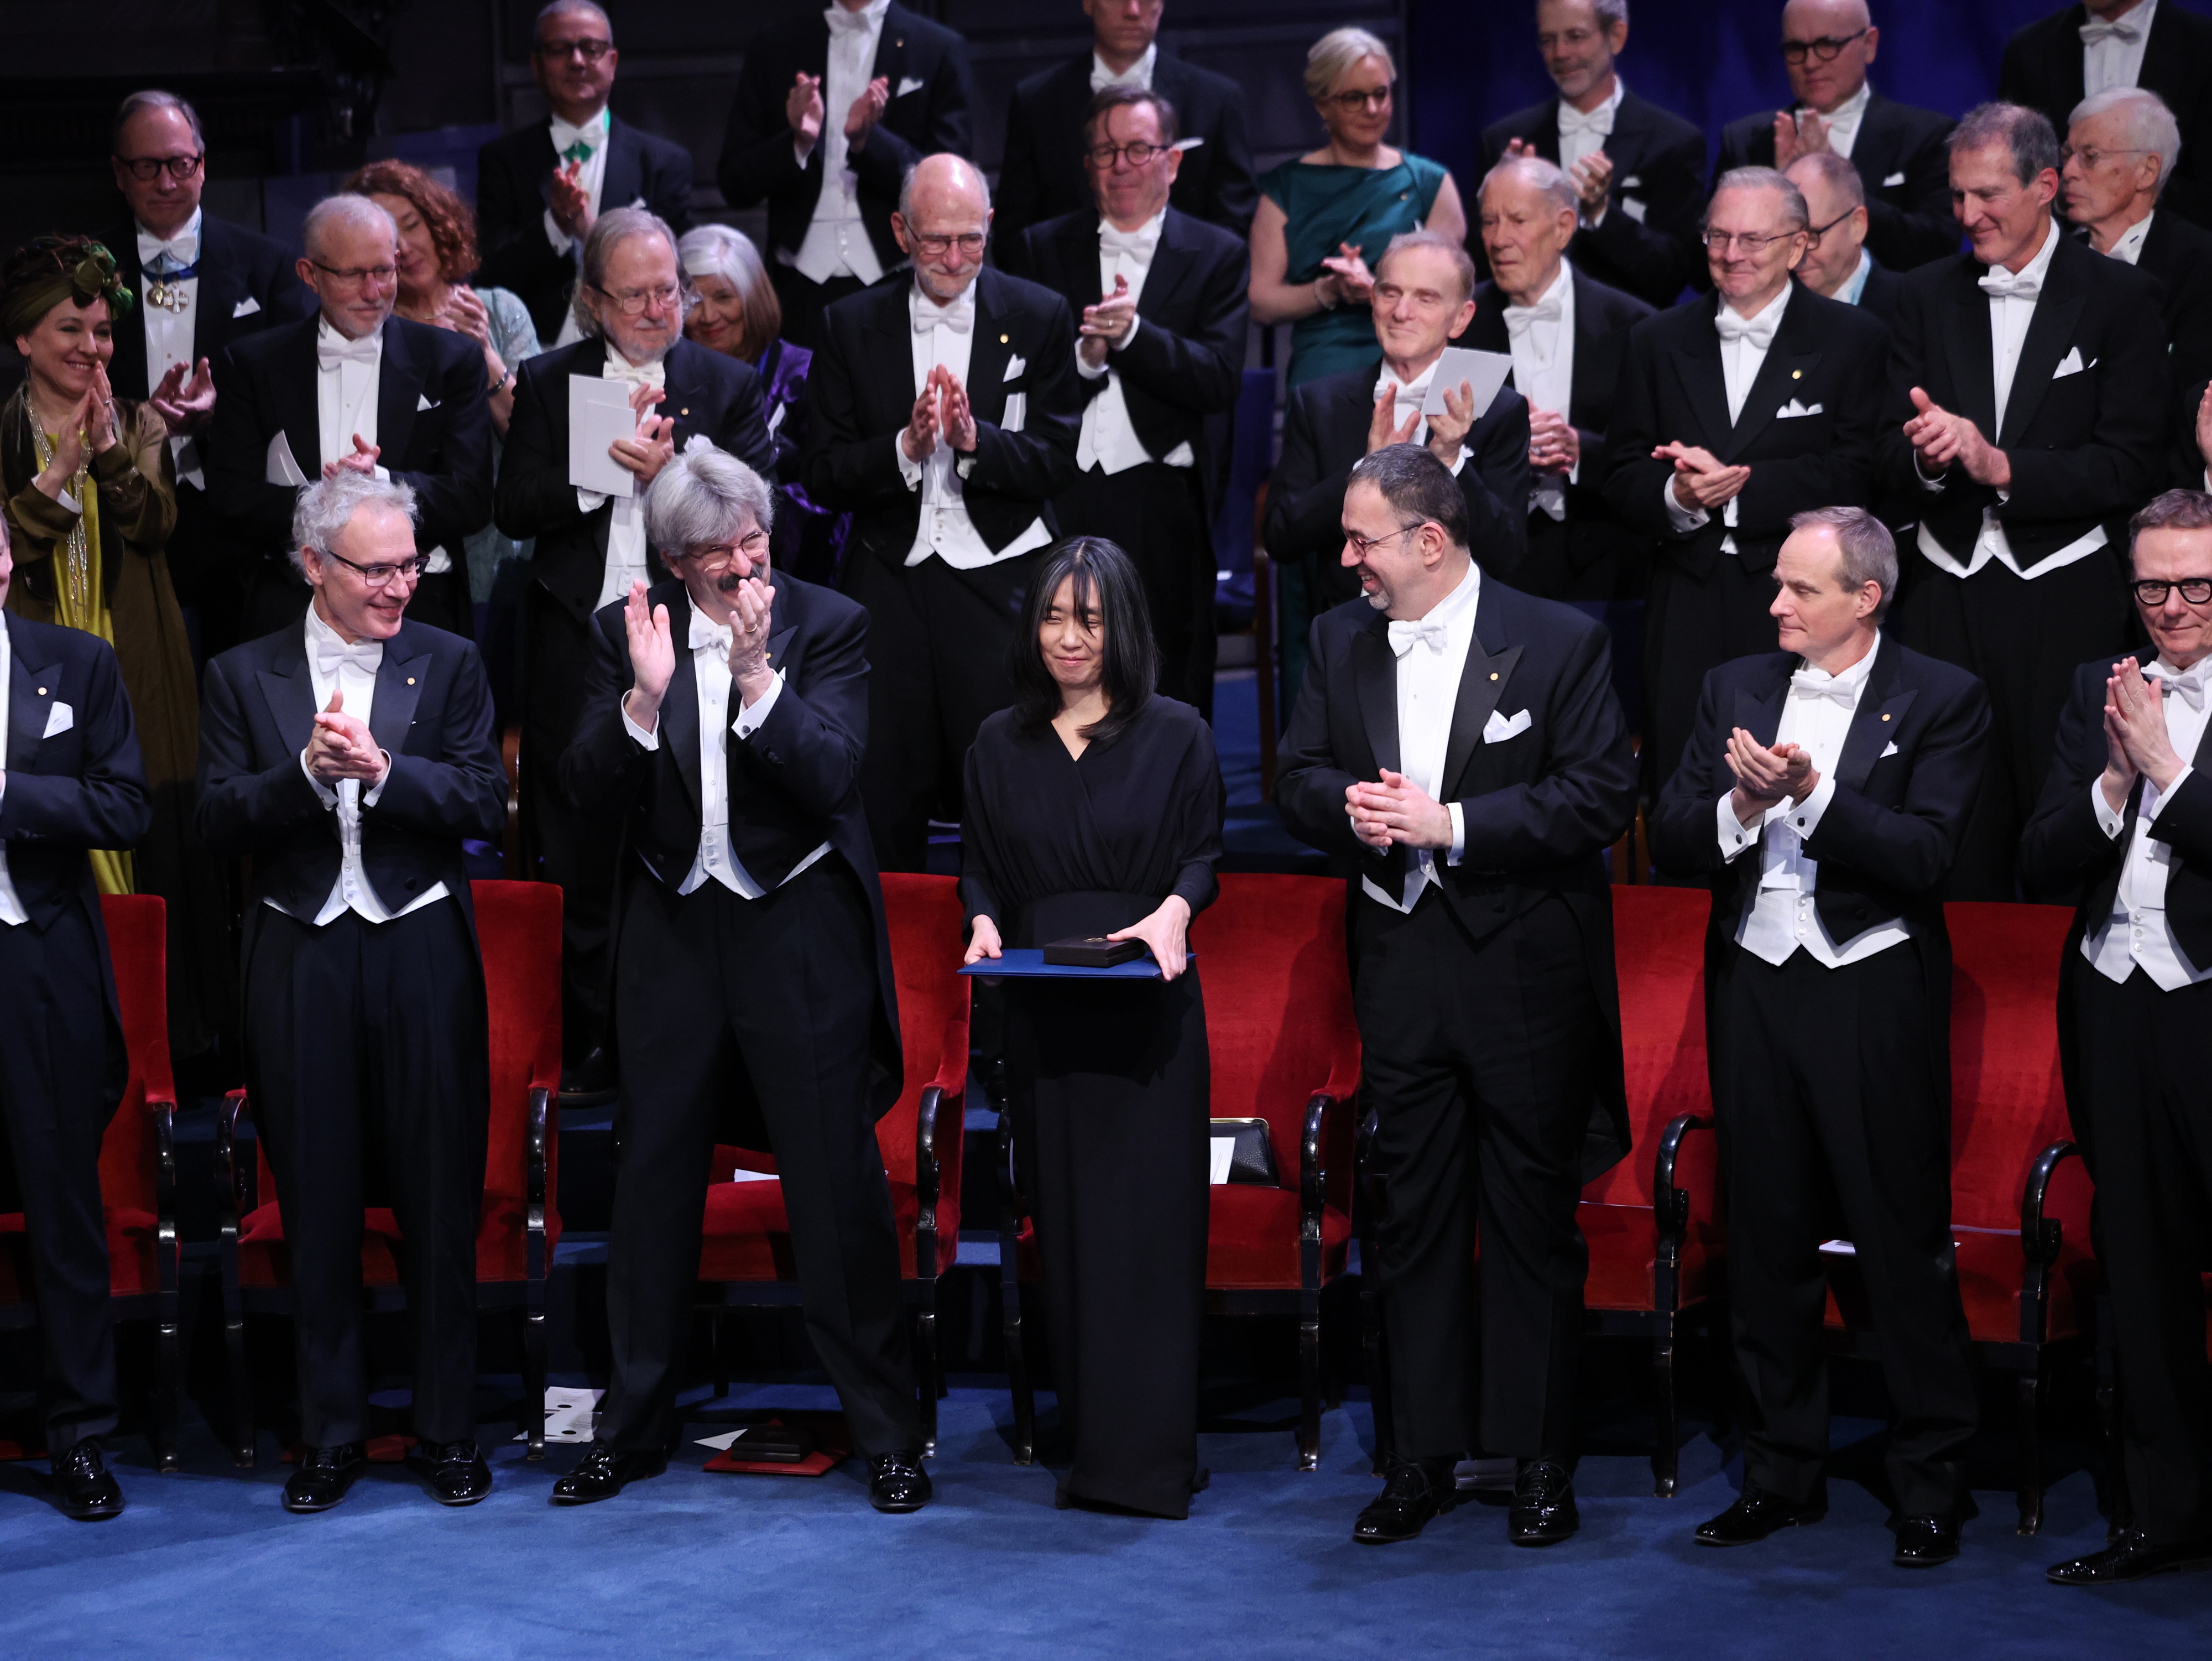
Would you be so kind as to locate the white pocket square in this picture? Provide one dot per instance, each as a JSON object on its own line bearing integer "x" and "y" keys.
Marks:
{"x": 59, "y": 719}
{"x": 1014, "y": 369}
{"x": 1017, "y": 413}
{"x": 1633, "y": 209}
{"x": 1892, "y": 182}
{"x": 909, "y": 83}
{"x": 1793, "y": 409}
{"x": 1633, "y": 182}
{"x": 1888, "y": 752}
{"x": 1498, "y": 729}
{"x": 246, "y": 307}
{"x": 2070, "y": 364}
{"x": 422, "y": 403}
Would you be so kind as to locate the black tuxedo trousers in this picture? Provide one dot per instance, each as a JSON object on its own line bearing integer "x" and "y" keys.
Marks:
{"x": 2145, "y": 1126}
{"x": 716, "y": 994}
{"x": 1481, "y": 1060}
{"x": 1846, "y": 1139}
{"x": 53, "y": 1102}
{"x": 367, "y": 1067}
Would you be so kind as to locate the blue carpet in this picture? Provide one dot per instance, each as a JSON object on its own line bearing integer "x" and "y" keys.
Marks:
{"x": 205, "y": 1565}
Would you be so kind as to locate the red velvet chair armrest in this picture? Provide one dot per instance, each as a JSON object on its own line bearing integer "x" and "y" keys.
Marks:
{"x": 2040, "y": 1238}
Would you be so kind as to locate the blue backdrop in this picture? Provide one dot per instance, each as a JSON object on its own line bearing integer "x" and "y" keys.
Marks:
{"x": 1709, "y": 61}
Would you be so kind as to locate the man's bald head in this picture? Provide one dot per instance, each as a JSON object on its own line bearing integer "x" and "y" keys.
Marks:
{"x": 1843, "y": 27}
{"x": 1829, "y": 17}
{"x": 943, "y": 222}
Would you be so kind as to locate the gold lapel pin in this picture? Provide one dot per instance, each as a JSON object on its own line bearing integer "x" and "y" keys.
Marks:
{"x": 1797, "y": 375}
{"x": 683, "y": 412}
{"x": 410, "y": 681}
{"x": 1004, "y": 339}
{"x": 1493, "y": 674}
{"x": 1884, "y": 714}
{"x": 42, "y": 691}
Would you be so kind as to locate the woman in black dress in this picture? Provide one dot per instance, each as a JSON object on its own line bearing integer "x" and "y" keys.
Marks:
{"x": 1094, "y": 808}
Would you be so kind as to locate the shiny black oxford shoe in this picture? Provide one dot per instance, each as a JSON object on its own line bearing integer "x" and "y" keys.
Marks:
{"x": 456, "y": 1471}
{"x": 897, "y": 1483}
{"x": 603, "y": 1473}
{"x": 1415, "y": 1491}
{"x": 323, "y": 1476}
{"x": 1758, "y": 1513}
{"x": 86, "y": 1490}
{"x": 1543, "y": 1512}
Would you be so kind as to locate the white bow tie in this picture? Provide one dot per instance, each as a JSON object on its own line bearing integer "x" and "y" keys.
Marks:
{"x": 575, "y": 143}
{"x": 2187, "y": 684}
{"x": 1842, "y": 692}
{"x": 2119, "y": 30}
{"x": 1999, "y": 283}
{"x": 1519, "y": 320}
{"x": 850, "y": 23}
{"x": 1138, "y": 244}
{"x": 654, "y": 374}
{"x": 334, "y": 655}
{"x": 1757, "y": 330}
{"x": 1431, "y": 634}
{"x": 959, "y": 316}
{"x": 332, "y": 349}
{"x": 1573, "y": 121}
{"x": 706, "y": 632}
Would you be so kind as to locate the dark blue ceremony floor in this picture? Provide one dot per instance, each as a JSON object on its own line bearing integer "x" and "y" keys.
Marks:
{"x": 205, "y": 1565}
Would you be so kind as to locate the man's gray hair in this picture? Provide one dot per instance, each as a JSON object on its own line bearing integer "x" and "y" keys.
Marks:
{"x": 2025, "y": 134}
{"x": 608, "y": 232}
{"x": 1837, "y": 173}
{"x": 1452, "y": 248}
{"x": 704, "y": 496}
{"x": 355, "y": 212}
{"x": 1869, "y": 551}
{"x": 1609, "y": 12}
{"x": 1546, "y": 178}
{"x": 153, "y": 99}
{"x": 1767, "y": 179}
{"x": 2150, "y": 126}
{"x": 327, "y": 507}
{"x": 2175, "y": 510}
{"x": 559, "y": 7}
{"x": 906, "y": 186}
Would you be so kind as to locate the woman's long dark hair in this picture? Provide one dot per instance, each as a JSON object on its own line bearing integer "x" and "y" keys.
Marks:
{"x": 1105, "y": 580}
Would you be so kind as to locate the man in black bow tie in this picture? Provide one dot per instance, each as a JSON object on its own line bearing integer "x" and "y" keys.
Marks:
{"x": 1825, "y": 790}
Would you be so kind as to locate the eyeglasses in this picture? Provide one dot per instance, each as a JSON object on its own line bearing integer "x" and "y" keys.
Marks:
{"x": 356, "y": 275}
{"x": 2092, "y": 157}
{"x": 1754, "y": 245}
{"x": 714, "y": 555}
{"x": 591, "y": 50}
{"x": 378, "y": 576}
{"x": 2196, "y": 590}
{"x": 1373, "y": 97}
{"x": 1364, "y": 545}
{"x": 935, "y": 247}
{"x": 1103, "y": 157}
{"x": 636, "y": 303}
{"x": 1817, "y": 232}
{"x": 147, "y": 168}
{"x": 1824, "y": 49}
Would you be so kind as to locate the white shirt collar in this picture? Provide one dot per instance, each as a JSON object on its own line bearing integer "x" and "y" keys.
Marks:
{"x": 1139, "y": 73}
{"x": 1147, "y": 233}
{"x": 1848, "y": 112}
{"x": 1773, "y": 308}
{"x": 2129, "y": 245}
{"x": 183, "y": 246}
{"x": 320, "y": 631}
{"x": 2041, "y": 264}
{"x": 1458, "y": 603}
{"x": 1857, "y": 286}
{"x": 873, "y": 12}
{"x": 325, "y": 331}
{"x": 1561, "y": 285}
{"x": 919, "y": 304}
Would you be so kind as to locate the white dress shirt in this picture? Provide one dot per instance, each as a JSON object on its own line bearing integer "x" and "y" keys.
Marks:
{"x": 1745, "y": 342}
{"x": 1844, "y": 123}
{"x": 1781, "y": 918}
{"x": 1853, "y": 291}
{"x": 943, "y": 335}
{"x": 2113, "y": 54}
{"x": 1139, "y": 73}
{"x": 1431, "y": 657}
{"x": 836, "y": 241}
{"x": 626, "y": 555}
{"x": 1541, "y": 339}
{"x": 1408, "y": 396}
{"x": 1108, "y": 440}
{"x": 11, "y": 904}
{"x": 2128, "y": 248}
{"x": 2136, "y": 932}
{"x": 590, "y": 177}
{"x": 169, "y": 330}
{"x": 334, "y": 666}
{"x": 1583, "y": 136}
{"x": 710, "y": 670}
{"x": 2010, "y": 313}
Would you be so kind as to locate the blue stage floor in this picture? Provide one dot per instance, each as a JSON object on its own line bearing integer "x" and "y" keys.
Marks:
{"x": 205, "y": 1565}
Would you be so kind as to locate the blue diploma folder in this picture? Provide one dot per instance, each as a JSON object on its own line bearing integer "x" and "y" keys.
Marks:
{"x": 1022, "y": 961}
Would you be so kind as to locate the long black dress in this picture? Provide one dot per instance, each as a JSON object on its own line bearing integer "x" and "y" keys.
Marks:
{"x": 1109, "y": 1079}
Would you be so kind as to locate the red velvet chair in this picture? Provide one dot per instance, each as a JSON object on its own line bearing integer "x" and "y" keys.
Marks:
{"x": 518, "y": 932}
{"x": 746, "y": 1255}
{"x": 2019, "y": 1205}
{"x": 137, "y": 1165}
{"x": 1651, "y": 1258}
{"x": 1283, "y": 1047}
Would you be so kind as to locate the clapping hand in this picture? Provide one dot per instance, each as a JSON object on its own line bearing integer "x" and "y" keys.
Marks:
{"x": 184, "y": 405}
{"x": 1106, "y": 323}
{"x": 362, "y": 460}
{"x": 341, "y": 746}
{"x": 959, "y": 420}
{"x": 651, "y": 656}
{"x": 1592, "y": 178}
{"x": 1941, "y": 438}
{"x": 1397, "y": 810}
{"x": 802, "y": 107}
{"x": 1701, "y": 480}
{"x": 1164, "y": 932}
{"x": 1554, "y": 445}
{"x": 653, "y": 449}
{"x": 1354, "y": 284}
{"x": 867, "y": 109}
{"x": 752, "y": 606}
{"x": 570, "y": 203}
{"x": 1764, "y": 776}
{"x": 2136, "y": 733}
{"x": 1383, "y": 428}
{"x": 464, "y": 314}
{"x": 1801, "y": 135}
{"x": 919, "y": 438}
{"x": 1447, "y": 431}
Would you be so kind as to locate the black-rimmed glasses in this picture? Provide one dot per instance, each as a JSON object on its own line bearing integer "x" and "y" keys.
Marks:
{"x": 1824, "y": 49}
{"x": 2151, "y": 592}
{"x": 378, "y": 576}
{"x": 147, "y": 168}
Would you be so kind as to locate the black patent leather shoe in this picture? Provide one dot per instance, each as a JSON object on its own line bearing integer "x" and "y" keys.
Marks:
{"x": 1925, "y": 1543}
{"x": 1758, "y": 1513}
{"x": 1415, "y": 1491}
{"x": 81, "y": 1482}
{"x": 456, "y": 1471}
{"x": 321, "y": 1478}
{"x": 603, "y": 1473}
{"x": 897, "y": 1483}
{"x": 1543, "y": 1512}
{"x": 2133, "y": 1558}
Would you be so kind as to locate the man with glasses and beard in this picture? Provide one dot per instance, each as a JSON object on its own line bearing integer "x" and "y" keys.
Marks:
{"x": 353, "y": 389}
{"x": 592, "y": 547}
{"x": 945, "y": 419}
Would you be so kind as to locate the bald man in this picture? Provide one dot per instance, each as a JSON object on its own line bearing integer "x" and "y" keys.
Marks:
{"x": 1836, "y": 263}
{"x": 1828, "y": 47}
{"x": 945, "y": 413}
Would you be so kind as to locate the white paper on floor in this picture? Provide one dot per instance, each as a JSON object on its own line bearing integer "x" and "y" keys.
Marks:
{"x": 569, "y": 1415}
{"x": 720, "y": 1443}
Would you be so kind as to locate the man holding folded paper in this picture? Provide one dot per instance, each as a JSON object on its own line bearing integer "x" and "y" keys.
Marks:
{"x": 594, "y": 424}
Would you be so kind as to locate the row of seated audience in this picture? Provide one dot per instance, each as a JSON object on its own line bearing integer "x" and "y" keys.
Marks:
{"x": 934, "y": 439}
